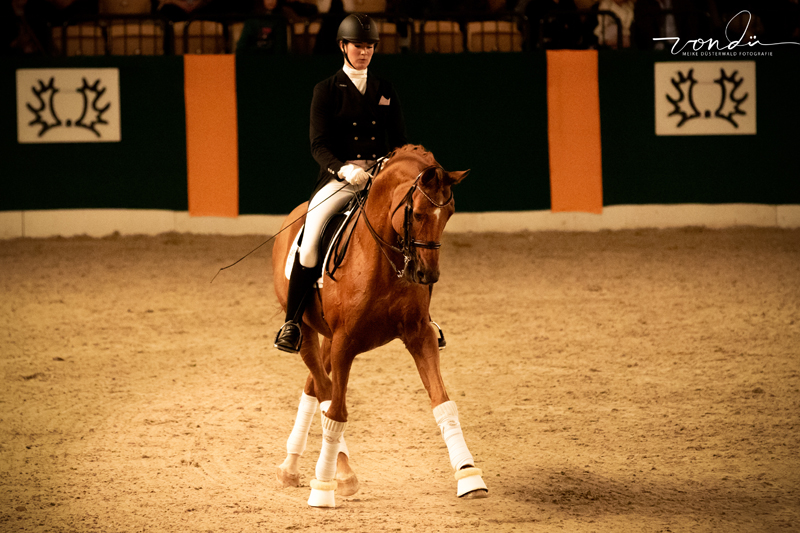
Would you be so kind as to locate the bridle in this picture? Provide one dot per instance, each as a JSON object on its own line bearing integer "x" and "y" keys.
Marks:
{"x": 406, "y": 244}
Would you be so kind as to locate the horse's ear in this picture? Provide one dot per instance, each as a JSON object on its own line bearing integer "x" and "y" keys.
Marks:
{"x": 452, "y": 178}
{"x": 430, "y": 174}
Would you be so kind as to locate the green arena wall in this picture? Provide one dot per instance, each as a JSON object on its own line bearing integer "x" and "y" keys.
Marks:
{"x": 487, "y": 112}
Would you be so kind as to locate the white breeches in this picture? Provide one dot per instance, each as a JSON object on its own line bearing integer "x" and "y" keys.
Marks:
{"x": 329, "y": 199}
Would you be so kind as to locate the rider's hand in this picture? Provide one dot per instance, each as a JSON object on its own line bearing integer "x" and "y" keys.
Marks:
{"x": 354, "y": 175}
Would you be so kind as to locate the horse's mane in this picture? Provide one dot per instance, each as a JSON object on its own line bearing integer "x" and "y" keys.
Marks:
{"x": 413, "y": 151}
{"x": 406, "y": 162}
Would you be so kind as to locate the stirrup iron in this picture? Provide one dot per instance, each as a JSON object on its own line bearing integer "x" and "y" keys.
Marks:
{"x": 442, "y": 342}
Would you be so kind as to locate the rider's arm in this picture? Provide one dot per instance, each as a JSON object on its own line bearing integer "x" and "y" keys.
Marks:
{"x": 321, "y": 131}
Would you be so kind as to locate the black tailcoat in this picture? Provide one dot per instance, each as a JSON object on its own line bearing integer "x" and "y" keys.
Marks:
{"x": 346, "y": 125}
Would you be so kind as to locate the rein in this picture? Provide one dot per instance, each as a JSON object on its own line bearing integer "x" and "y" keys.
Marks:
{"x": 406, "y": 244}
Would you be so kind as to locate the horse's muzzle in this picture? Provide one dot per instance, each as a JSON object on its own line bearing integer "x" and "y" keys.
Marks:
{"x": 424, "y": 276}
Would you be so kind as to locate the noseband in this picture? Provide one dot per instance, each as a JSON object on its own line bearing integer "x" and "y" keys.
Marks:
{"x": 406, "y": 244}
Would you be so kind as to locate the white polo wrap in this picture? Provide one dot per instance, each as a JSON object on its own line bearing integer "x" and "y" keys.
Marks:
{"x": 446, "y": 415}
{"x": 296, "y": 443}
{"x": 332, "y": 431}
{"x": 323, "y": 407}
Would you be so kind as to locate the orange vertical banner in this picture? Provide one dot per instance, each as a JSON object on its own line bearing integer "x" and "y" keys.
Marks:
{"x": 573, "y": 125}
{"x": 211, "y": 135}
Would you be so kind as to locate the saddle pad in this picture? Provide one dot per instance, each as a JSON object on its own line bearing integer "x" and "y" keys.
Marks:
{"x": 296, "y": 246}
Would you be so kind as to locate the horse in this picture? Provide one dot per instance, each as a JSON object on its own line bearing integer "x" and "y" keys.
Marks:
{"x": 368, "y": 303}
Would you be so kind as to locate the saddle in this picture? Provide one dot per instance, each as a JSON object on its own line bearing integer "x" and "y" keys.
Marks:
{"x": 334, "y": 241}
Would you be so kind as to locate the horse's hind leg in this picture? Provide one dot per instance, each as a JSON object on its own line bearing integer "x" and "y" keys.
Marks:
{"x": 317, "y": 385}
{"x": 424, "y": 348}
{"x": 288, "y": 474}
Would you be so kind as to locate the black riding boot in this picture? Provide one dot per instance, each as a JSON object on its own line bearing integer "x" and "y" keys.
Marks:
{"x": 301, "y": 282}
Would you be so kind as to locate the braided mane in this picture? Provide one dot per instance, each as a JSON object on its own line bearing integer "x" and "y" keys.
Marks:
{"x": 412, "y": 151}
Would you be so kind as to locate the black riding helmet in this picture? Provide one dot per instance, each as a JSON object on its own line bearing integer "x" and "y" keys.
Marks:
{"x": 358, "y": 27}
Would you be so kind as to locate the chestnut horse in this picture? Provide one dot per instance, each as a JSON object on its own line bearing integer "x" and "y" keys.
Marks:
{"x": 370, "y": 302}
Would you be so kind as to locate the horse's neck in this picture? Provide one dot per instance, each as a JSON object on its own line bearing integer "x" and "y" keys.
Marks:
{"x": 377, "y": 211}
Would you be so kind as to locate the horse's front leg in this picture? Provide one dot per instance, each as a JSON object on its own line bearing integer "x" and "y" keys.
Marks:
{"x": 346, "y": 480}
{"x": 334, "y": 422}
{"x": 423, "y": 345}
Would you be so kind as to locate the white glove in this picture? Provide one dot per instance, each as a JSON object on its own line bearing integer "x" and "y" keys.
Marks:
{"x": 354, "y": 175}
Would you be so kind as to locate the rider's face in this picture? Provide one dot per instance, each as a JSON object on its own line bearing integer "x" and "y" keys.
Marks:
{"x": 359, "y": 54}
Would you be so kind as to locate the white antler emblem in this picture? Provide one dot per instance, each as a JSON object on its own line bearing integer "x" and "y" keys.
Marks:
{"x": 68, "y": 105}
{"x": 45, "y": 113}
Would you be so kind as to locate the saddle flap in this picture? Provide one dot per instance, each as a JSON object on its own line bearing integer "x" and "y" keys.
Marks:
{"x": 327, "y": 241}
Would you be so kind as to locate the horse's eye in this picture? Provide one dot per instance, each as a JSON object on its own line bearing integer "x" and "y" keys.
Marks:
{"x": 418, "y": 216}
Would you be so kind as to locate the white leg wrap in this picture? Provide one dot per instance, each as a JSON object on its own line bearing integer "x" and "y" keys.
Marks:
{"x": 343, "y": 447}
{"x": 324, "y": 406}
{"x": 305, "y": 415}
{"x": 332, "y": 431}
{"x": 446, "y": 416}
{"x": 342, "y": 444}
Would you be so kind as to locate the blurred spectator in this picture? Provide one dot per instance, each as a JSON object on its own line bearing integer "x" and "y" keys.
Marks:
{"x": 294, "y": 9}
{"x": 41, "y": 15}
{"x": 326, "y": 37}
{"x": 687, "y": 19}
{"x": 470, "y": 8}
{"x": 737, "y": 25}
{"x": 185, "y": 9}
{"x": 400, "y": 13}
{"x": 414, "y": 9}
{"x": 265, "y": 34}
{"x": 181, "y": 9}
{"x": 770, "y": 21}
{"x": 781, "y": 21}
{"x": 653, "y": 19}
{"x": 553, "y": 24}
{"x": 16, "y": 40}
{"x": 606, "y": 30}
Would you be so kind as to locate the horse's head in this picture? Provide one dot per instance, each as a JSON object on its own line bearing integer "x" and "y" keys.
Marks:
{"x": 420, "y": 210}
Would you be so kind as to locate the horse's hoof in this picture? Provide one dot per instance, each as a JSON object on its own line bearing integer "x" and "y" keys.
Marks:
{"x": 476, "y": 495}
{"x": 470, "y": 483}
{"x": 322, "y": 498}
{"x": 323, "y": 493}
{"x": 286, "y": 479}
{"x": 347, "y": 486}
